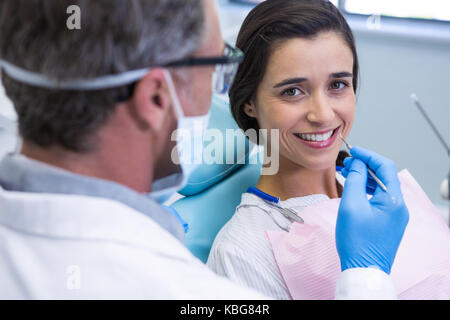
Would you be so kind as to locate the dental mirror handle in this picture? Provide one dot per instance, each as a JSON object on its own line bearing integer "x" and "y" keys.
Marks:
{"x": 370, "y": 171}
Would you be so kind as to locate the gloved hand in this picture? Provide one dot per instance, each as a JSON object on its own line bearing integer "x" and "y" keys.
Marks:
{"x": 368, "y": 232}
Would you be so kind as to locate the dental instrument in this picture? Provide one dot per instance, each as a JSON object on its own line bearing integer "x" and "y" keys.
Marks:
{"x": 414, "y": 97}
{"x": 274, "y": 202}
{"x": 436, "y": 131}
{"x": 374, "y": 176}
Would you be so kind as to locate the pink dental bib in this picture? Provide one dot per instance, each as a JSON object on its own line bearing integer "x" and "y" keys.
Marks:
{"x": 309, "y": 263}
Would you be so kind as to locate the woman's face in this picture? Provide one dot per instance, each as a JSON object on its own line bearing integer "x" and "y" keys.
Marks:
{"x": 307, "y": 94}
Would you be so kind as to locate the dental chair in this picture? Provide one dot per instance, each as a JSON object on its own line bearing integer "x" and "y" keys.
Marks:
{"x": 214, "y": 190}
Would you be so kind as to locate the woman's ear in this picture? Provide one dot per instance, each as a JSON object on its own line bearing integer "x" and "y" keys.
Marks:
{"x": 250, "y": 110}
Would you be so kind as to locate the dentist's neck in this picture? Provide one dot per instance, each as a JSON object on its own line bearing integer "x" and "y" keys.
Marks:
{"x": 293, "y": 180}
{"x": 121, "y": 155}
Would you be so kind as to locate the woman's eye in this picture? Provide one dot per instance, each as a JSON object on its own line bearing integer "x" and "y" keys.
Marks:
{"x": 291, "y": 92}
{"x": 338, "y": 85}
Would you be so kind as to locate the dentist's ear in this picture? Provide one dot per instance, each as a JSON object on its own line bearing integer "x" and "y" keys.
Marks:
{"x": 150, "y": 106}
{"x": 250, "y": 110}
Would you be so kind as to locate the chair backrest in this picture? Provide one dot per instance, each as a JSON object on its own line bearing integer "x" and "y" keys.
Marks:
{"x": 214, "y": 190}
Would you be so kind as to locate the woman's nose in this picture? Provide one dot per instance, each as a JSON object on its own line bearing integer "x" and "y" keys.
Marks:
{"x": 321, "y": 111}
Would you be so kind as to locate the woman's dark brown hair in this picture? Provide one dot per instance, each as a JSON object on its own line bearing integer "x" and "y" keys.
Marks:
{"x": 266, "y": 26}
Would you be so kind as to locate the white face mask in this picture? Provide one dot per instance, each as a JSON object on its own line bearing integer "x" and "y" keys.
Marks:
{"x": 189, "y": 135}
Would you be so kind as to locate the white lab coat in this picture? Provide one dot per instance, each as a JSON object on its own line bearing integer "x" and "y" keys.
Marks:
{"x": 77, "y": 247}
{"x": 69, "y": 247}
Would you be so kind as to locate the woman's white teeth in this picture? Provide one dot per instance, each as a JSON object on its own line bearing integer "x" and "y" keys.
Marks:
{"x": 316, "y": 137}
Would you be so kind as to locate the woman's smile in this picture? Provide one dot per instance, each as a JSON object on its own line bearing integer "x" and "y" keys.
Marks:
{"x": 318, "y": 140}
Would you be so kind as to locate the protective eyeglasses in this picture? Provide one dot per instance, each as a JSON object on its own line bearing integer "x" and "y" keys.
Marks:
{"x": 226, "y": 67}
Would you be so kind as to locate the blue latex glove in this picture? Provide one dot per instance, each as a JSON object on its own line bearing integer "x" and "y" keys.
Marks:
{"x": 368, "y": 232}
{"x": 371, "y": 183}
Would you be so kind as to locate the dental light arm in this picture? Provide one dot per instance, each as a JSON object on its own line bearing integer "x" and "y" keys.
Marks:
{"x": 444, "y": 189}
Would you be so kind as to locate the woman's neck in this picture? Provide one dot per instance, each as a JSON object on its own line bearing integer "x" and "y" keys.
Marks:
{"x": 295, "y": 181}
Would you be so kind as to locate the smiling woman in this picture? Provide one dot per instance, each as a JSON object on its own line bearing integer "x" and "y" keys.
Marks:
{"x": 307, "y": 94}
{"x": 299, "y": 77}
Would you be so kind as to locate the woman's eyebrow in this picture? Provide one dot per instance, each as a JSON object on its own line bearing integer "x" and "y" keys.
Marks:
{"x": 289, "y": 81}
{"x": 342, "y": 74}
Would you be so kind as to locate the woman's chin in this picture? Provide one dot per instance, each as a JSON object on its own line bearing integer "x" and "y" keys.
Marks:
{"x": 317, "y": 163}
{"x": 321, "y": 166}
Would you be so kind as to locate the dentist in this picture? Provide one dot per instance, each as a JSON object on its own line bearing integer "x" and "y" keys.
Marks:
{"x": 81, "y": 214}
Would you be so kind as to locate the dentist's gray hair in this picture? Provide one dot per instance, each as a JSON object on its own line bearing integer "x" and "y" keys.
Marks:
{"x": 115, "y": 36}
